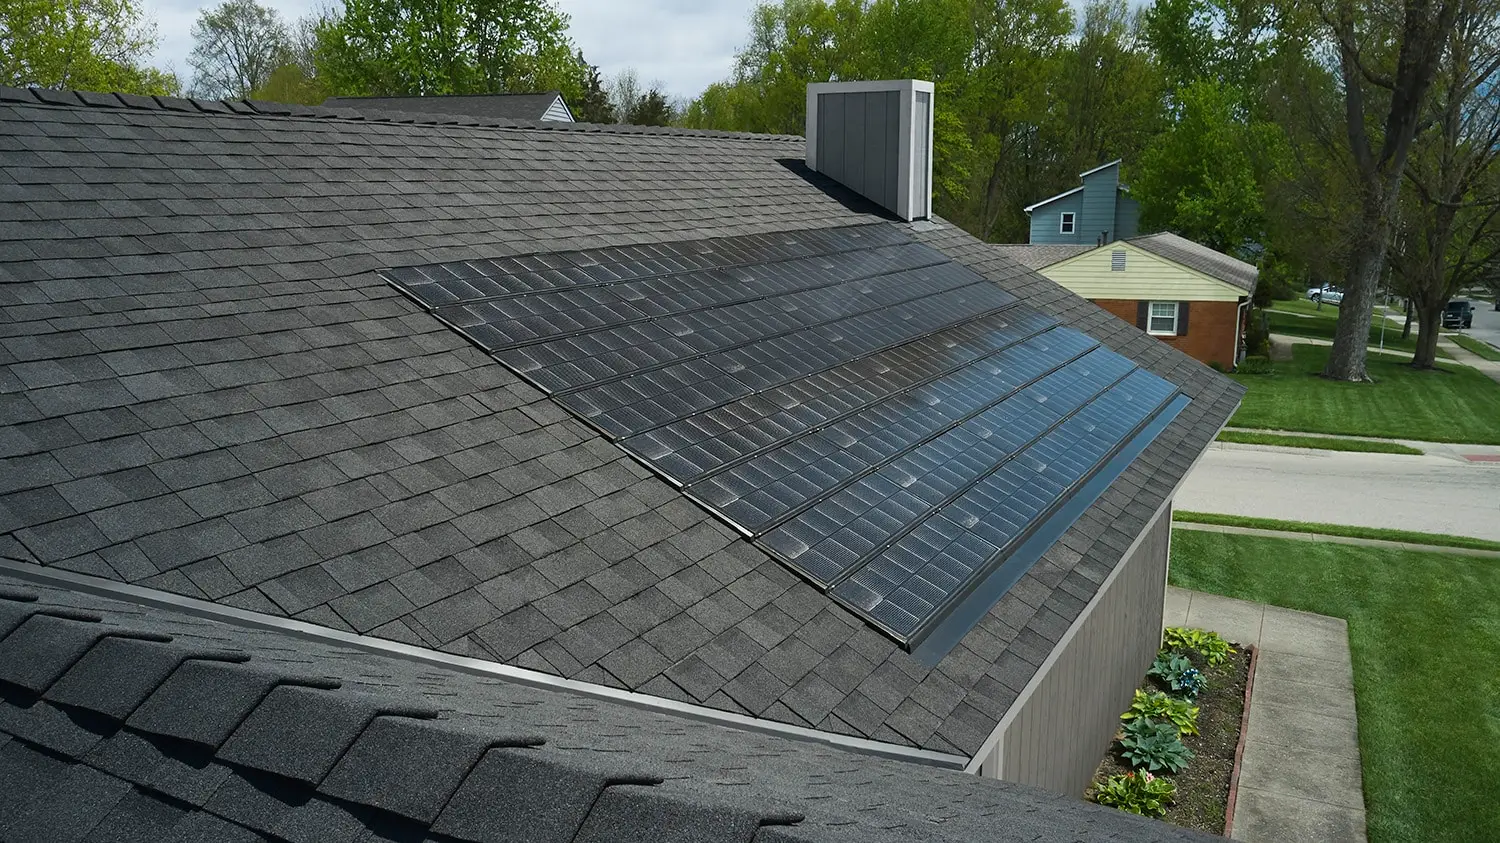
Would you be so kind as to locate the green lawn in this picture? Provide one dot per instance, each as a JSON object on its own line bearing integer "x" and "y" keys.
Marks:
{"x": 1311, "y": 322}
{"x": 1483, "y": 349}
{"x": 1321, "y": 443}
{"x": 1425, "y": 637}
{"x": 1409, "y": 536}
{"x": 1455, "y": 404}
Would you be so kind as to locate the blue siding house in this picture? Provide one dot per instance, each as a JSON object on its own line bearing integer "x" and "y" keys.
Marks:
{"x": 1098, "y": 211}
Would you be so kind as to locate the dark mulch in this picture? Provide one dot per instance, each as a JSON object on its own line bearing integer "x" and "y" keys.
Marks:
{"x": 1203, "y": 787}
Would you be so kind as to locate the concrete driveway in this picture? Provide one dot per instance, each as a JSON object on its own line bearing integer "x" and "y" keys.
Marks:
{"x": 1430, "y": 494}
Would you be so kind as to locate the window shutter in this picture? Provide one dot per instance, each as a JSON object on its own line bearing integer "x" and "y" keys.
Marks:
{"x": 1142, "y": 313}
{"x": 1182, "y": 318}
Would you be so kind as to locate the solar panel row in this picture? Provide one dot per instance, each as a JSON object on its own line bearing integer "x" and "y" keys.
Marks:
{"x": 884, "y": 421}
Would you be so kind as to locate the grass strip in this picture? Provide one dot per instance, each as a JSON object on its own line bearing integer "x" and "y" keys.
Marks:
{"x": 1483, "y": 349}
{"x": 1381, "y": 533}
{"x": 1424, "y": 637}
{"x": 1322, "y": 443}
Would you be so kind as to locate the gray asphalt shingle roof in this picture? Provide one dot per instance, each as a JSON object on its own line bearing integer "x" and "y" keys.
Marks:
{"x": 1194, "y": 255}
{"x": 206, "y": 388}
{"x": 120, "y": 721}
{"x": 505, "y": 106}
{"x": 1041, "y": 255}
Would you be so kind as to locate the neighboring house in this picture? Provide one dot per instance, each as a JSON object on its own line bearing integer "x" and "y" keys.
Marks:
{"x": 457, "y": 481}
{"x": 1095, "y": 212}
{"x": 548, "y": 105}
{"x": 1183, "y": 293}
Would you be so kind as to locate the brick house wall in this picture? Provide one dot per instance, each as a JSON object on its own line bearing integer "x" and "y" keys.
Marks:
{"x": 1213, "y": 327}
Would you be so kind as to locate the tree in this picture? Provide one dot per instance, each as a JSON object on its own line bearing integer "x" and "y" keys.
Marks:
{"x": 1199, "y": 178}
{"x": 1450, "y": 238}
{"x": 421, "y": 47}
{"x": 1382, "y": 107}
{"x": 297, "y": 80}
{"x": 594, "y": 106}
{"x": 237, "y": 46}
{"x": 91, "y": 45}
{"x": 650, "y": 109}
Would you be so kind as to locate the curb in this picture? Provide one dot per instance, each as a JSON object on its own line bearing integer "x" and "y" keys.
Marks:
{"x": 1239, "y": 750}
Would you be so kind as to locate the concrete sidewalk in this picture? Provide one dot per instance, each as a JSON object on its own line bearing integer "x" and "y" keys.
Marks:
{"x": 1300, "y": 777}
{"x": 1490, "y": 368}
{"x": 1450, "y": 450}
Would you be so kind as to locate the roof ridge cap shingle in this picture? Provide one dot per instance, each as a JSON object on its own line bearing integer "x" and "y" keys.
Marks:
{"x": 255, "y": 107}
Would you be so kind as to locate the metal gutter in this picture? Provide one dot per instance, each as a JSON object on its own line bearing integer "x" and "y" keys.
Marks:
{"x": 479, "y": 667}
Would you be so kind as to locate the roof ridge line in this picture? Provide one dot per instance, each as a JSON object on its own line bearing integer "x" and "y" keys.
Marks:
{"x": 244, "y": 618}
{"x": 69, "y": 98}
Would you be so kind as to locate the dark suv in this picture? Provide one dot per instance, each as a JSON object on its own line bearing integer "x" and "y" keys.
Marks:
{"x": 1458, "y": 314}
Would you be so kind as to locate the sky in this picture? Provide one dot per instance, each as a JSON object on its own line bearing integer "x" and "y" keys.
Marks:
{"x": 685, "y": 44}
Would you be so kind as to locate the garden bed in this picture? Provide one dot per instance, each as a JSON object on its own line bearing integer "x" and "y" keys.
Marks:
{"x": 1202, "y": 787}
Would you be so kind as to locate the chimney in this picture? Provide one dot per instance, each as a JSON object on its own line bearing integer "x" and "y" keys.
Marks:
{"x": 875, "y": 138}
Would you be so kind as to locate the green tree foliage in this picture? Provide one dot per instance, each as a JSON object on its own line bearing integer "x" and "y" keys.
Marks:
{"x": 419, "y": 47}
{"x": 650, "y": 109}
{"x": 594, "y": 106}
{"x": 1199, "y": 177}
{"x": 237, "y": 46}
{"x": 91, "y": 45}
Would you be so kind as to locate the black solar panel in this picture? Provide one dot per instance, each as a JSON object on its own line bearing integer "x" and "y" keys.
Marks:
{"x": 882, "y": 420}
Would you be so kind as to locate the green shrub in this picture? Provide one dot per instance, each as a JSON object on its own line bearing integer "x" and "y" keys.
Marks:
{"x": 1149, "y": 745}
{"x": 1210, "y": 645}
{"x": 1178, "y": 673}
{"x": 1158, "y": 706}
{"x": 1255, "y": 364}
{"x": 1142, "y": 794}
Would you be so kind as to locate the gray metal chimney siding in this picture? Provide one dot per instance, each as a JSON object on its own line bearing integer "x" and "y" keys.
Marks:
{"x": 858, "y": 138}
{"x": 875, "y": 137}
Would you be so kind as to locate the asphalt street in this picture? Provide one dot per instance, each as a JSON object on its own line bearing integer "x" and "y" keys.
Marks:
{"x": 1486, "y": 324}
{"x": 1429, "y": 494}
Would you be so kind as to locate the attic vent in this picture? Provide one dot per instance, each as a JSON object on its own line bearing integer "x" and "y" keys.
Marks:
{"x": 875, "y": 138}
{"x": 1117, "y": 261}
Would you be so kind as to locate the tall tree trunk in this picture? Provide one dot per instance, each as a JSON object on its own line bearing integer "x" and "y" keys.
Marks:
{"x": 1351, "y": 337}
{"x": 1406, "y": 327}
{"x": 1429, "y": 324}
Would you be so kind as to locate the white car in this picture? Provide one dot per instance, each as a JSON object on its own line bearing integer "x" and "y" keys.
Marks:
{"x": 1327, "y": 295}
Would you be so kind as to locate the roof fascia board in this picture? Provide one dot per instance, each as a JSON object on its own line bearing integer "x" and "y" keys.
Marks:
{"x": 394, "y": 649}
{"x": 993, "y": 745}
{"x": 1113, "y": 163}
{"x": 1029, "y": 208}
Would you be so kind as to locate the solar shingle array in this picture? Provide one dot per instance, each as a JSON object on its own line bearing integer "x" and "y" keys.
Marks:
{"x": 881, "y": 419}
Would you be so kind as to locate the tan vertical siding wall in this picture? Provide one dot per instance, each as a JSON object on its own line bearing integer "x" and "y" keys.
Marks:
{"x": 1066, "y": 725}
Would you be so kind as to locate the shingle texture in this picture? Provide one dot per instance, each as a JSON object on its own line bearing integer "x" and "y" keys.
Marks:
{"x": 1041, "y": 255}
{"x": 1193, "y": 255}
{"x": 506, "y": 106}
{"x": 428, "y": 753}
{"x": 206, "y": 389}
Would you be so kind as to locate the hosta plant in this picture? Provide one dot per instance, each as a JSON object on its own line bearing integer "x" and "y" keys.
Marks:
{"x": 1161, "y": 707}
{"x": 1138, "y": 793}
{"x": 1210, "y": 645}
{"x": 1179, "y": 674}
{"x": 1152, "y": 746}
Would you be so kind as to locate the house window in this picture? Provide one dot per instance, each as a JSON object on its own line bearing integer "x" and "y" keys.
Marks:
{"x": 1117, "y": 261}
{"x": 1069, "y": 223}
{"x": 1163, "y": 319}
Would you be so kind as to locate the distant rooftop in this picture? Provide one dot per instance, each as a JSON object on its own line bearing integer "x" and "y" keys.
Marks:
{"x": 546, "y": 105}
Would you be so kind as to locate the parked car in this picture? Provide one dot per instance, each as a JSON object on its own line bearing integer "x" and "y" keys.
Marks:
{"x": 1459, "y": 314}
{"x": 1326, "y": 294}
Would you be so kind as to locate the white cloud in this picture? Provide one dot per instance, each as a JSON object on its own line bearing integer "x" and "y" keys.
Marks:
{"x": 685, "y": 44}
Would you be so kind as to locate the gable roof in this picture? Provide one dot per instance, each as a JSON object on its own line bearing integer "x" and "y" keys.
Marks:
{"x": 207, "y": 389}
{"x": 504, "y": 106}
{"x": 1210, "y": 262}
{"x": 127, "y": 721}
{"x": 1083, "y": 175}
{"x": 1041, "y": 255}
